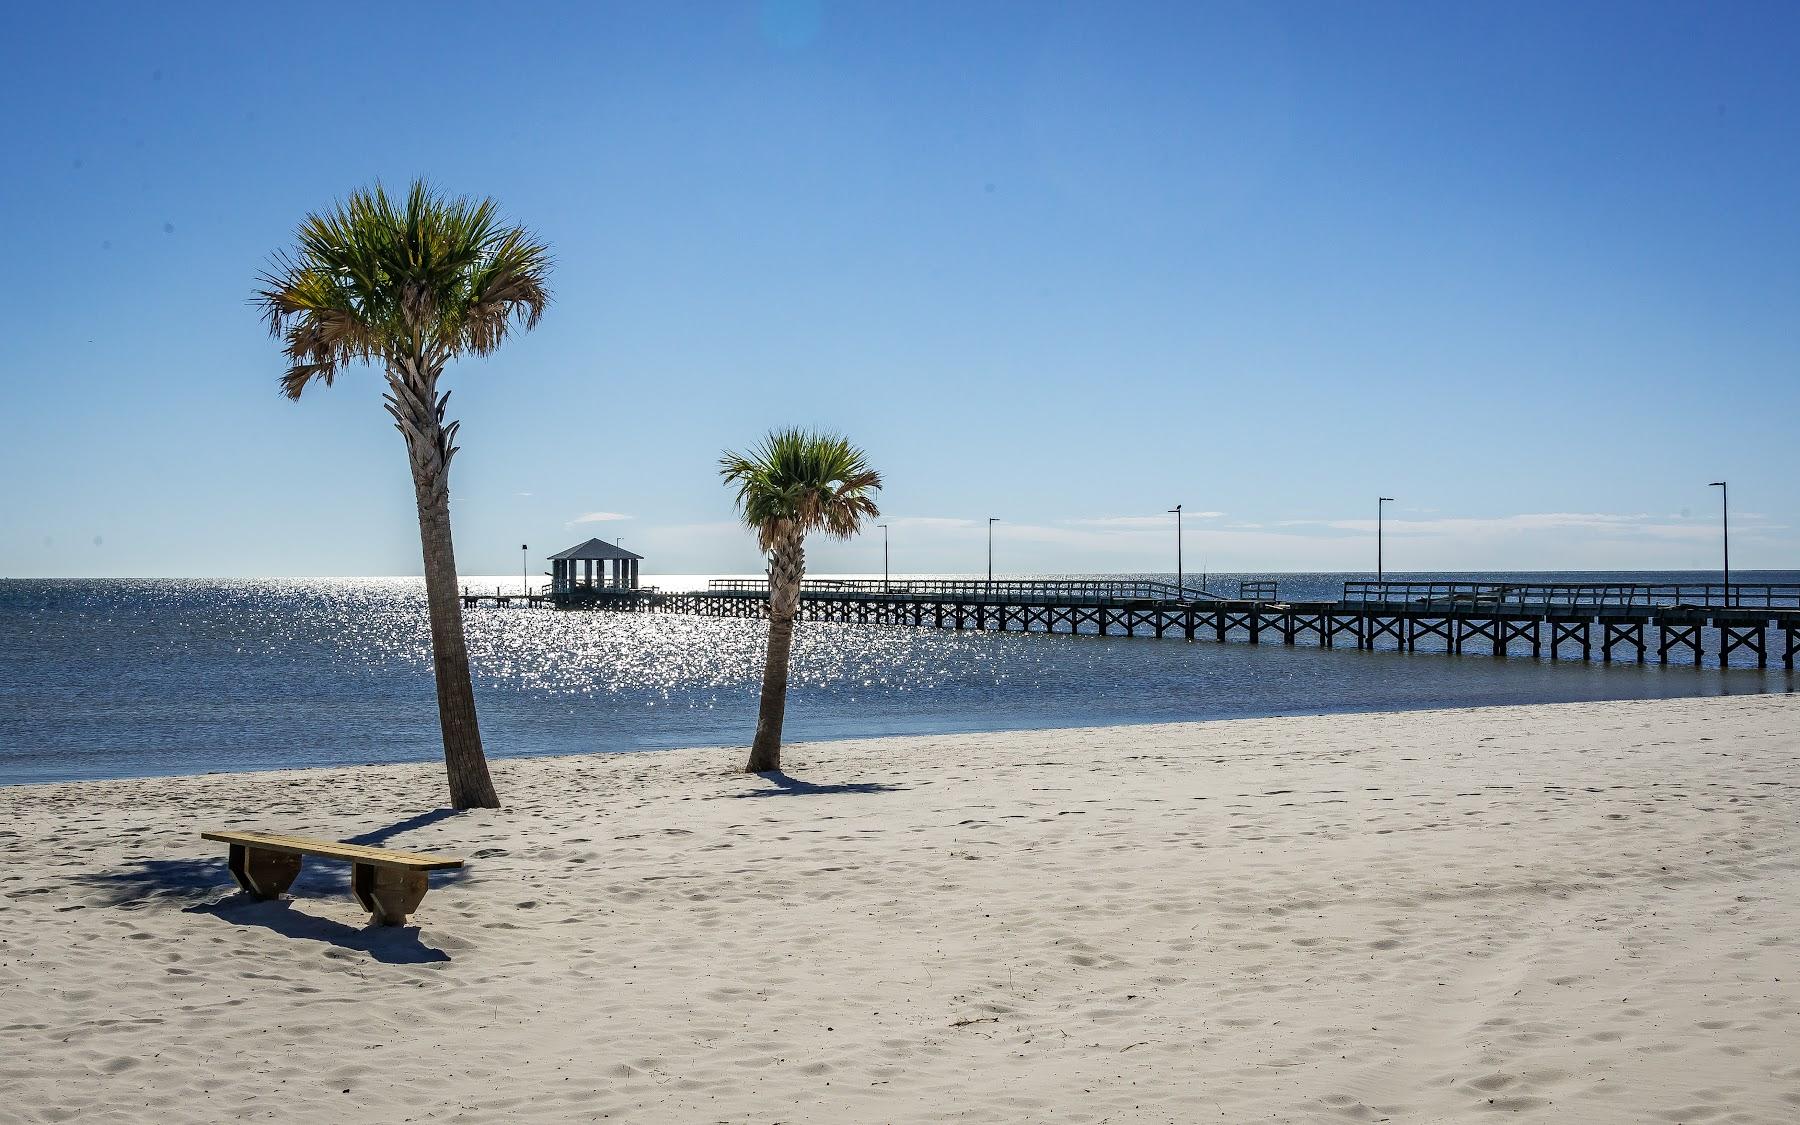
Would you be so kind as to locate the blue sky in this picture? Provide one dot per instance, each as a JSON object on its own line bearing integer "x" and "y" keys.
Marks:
{"x": 1531, "y": 269}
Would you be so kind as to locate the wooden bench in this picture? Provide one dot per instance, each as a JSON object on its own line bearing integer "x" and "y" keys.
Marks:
{"x": 390, "y": 885}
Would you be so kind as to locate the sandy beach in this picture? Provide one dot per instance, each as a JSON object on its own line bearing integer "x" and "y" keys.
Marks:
{"x": 1581, "y": 912}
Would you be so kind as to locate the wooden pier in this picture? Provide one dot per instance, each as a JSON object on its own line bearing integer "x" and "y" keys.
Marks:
{"x": 1753, "y": 622}
{"x": 529, "y": 599}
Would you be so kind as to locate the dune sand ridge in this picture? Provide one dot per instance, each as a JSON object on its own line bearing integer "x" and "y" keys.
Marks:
{"x": 1584, "y": 912}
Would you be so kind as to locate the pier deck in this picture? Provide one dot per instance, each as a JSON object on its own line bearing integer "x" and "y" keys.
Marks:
{"x": 1755, "y": 622}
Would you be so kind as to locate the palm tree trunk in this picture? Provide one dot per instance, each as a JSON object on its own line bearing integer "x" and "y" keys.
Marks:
{"x": 787, "y": 566}
{"x": 428, "y": 443}
{"x": 470, "y": 785}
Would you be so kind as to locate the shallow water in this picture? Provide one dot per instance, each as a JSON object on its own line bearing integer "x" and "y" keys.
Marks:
{"x": 125, "y": 678}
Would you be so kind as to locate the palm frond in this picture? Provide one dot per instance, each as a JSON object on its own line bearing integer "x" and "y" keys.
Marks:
{"x": 796, "y": 481}
{"x": 421, "y": 279}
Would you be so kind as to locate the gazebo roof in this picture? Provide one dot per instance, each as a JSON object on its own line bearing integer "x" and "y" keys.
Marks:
{"x": 596, "y": 549}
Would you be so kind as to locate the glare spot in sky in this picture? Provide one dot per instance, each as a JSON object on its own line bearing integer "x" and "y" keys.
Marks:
{"x": 790, "y": 24}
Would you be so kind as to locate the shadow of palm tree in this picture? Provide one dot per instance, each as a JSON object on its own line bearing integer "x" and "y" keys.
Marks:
{"x": 376, "y": 837}
{"x": 149, "y": 881}
{"x": 326, "y": 877}
{"x": 198, "y": 884}
{"x": 786, "y": 786}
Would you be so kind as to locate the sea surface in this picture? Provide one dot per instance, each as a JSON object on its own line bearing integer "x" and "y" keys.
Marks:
{"x": 129, "y": 678}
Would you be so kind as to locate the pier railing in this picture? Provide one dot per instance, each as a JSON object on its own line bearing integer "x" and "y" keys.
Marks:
{"x": 1549, "y": 597}
{"x": 1742, "y": 595}
{"x": 1469, "y": 598}
{"x": 1011, "y": 590}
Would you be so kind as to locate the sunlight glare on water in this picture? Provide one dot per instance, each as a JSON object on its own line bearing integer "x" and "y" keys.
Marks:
{"x": 121, "y": 678}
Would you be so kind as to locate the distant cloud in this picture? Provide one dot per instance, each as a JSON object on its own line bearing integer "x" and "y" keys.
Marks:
{"x": 1610, "y": 524}
{"x": 1112, "y": 536}
{"x": 1426, "y": 541}
{"x": 1146, "y": 542}
{"x": 1095, "y": 529}
{"x": 1141, "y": 523}
{"x": 1109, "y": 534}
{"x": 929, "y": 522}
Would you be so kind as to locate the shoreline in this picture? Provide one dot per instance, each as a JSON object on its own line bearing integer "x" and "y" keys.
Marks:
{"x": 954, "y": 732}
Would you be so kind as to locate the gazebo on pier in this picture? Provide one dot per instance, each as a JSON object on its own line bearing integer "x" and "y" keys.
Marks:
{"x": 585, "y": 568}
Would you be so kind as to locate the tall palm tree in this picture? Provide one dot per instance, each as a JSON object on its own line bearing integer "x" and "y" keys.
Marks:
{"x": 793, "y": 484}
{"x": 406, "y": 286}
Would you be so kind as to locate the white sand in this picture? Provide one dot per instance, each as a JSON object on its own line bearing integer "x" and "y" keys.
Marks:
{"x": 1581, "y": 913}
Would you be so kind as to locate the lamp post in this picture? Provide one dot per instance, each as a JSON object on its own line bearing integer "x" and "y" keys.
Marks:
{"x": 1725, "y": 530}
{"x": 992, "y": 520}
{"x": 1179, "y": 587}
{"x": 884, "y": 556}
{"x": 525, "y": 569}
{"x": 1379, "y": 572}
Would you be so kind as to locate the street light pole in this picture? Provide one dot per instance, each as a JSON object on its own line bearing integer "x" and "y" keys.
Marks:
{"x": 1179, "y": 587}
{"x": 1379, "y": 571}
{"x": 525, "y": 569}
{"x": 884, "y": 556}
{"x": 992, "y": 520}
{"x": 1725, "y": 528}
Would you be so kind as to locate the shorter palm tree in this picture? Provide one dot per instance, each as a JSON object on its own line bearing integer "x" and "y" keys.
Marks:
{"x": 794, "y": 483}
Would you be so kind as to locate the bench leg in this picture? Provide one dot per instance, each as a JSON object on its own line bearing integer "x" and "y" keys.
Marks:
{"x": 389, "y": 894}
{"x": 261, "y": 874}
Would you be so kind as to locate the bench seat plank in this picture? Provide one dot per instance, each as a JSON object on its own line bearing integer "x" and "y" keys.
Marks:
{"x": 330, "y": 849}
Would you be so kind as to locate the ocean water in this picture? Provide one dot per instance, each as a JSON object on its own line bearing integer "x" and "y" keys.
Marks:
{"x": 129, "y": 678}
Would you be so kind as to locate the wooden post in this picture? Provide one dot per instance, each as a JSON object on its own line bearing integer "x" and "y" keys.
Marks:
{"x": 389, "y": 894}
{"x": 1561, "y": 631}
{"x": 1736, "y": 635}
{"x": 262, "y": 874}
{"x": 1673, "y": 634}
